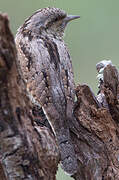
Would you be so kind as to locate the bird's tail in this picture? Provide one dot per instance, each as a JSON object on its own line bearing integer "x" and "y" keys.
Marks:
{"x": 68, "y": 156}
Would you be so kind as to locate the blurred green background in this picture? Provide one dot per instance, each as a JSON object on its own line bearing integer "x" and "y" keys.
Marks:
{"x": 94, "y": 37}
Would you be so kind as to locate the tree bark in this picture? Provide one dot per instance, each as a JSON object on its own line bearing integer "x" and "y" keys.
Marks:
{"x": 28, "y": 149}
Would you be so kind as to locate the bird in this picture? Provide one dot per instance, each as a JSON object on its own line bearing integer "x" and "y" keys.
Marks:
{"x": 45, "y": 65}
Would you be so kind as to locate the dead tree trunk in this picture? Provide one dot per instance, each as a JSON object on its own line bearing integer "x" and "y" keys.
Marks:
{"x": 29, "y": 151}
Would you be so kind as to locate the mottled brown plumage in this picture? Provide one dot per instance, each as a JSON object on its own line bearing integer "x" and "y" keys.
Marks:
{"x": 45, "y": 66}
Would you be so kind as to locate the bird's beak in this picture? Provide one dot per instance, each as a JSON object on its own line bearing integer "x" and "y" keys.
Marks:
{"x": 70, "y": 18}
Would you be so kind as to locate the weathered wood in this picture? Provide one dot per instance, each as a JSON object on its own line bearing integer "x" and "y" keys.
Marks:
{"x": 98, "y": 131}
{"x": 2, "y": 174}
{"x": 27, "y": 151}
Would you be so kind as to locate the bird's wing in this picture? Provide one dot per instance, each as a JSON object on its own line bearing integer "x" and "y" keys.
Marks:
{"x": 39, "y": 64}
{"x": 67, "y": 78}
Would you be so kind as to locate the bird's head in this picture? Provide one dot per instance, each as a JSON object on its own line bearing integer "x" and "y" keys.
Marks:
{"x": 50, "y": 21}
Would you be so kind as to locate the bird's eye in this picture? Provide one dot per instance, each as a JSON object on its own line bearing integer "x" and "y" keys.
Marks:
{"x": 56, "y": 19}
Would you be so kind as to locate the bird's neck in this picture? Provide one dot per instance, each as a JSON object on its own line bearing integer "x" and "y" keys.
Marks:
{"x": 52, "y": 34}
